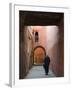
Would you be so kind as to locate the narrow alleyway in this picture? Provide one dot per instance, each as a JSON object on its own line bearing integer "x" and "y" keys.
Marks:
{"x": 41, "y": 34}
{"x": 38, "y": 72}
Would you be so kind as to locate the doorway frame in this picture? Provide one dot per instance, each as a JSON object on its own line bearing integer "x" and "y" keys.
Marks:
{"x": 14, "y": 43}
{"x": 36, "y": 48}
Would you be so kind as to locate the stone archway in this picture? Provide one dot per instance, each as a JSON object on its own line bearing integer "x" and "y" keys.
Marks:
{"x": 39, "y": 54}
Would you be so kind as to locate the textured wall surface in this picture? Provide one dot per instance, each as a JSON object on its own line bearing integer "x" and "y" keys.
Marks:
{"x": 25, "y": 56}
{"x": 55, "y": 48}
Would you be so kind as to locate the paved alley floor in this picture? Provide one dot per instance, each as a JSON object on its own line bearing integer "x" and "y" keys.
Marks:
{"x": 38, "y": 72}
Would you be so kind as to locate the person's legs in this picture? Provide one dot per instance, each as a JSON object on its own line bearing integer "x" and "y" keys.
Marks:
{"x": 48, "y": 69}
{"x": 45, "y": 68}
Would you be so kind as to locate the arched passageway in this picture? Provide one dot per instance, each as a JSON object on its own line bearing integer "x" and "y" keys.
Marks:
{"x": 26, "y": 41}
{"x": 39, "y": 54}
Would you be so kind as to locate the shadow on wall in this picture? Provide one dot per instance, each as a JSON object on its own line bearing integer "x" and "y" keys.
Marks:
{"x": 25, "y": 53}
{"x": 55, "y": 49}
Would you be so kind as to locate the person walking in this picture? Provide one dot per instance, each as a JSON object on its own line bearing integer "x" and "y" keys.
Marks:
{"x": 46, "y": 64}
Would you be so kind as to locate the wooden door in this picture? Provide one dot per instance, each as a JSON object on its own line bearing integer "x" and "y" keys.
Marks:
{"x": 39, "y": 55}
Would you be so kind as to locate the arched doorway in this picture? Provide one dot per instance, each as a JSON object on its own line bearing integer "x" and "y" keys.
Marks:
{"x": 39, "y": 55}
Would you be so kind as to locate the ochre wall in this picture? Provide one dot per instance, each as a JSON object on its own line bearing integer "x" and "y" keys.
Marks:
{"x": 55, "y": 49}
{"x": 42, "y": 36}
{"x": 25, "y": 52}
{"x": 61, "y": 48}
